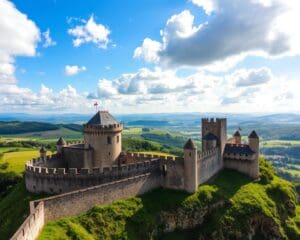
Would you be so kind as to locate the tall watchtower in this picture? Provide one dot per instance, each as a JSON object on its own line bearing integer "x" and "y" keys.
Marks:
{"x": 103, "y": 133}
{"x": 214, "y": 130}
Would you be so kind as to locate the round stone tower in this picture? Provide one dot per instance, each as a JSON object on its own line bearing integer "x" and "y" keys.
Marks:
{"x": 43, "y": 152}
{"x": 253, "y": 141}
{"x": 190, "y": 167}
{"x": 237, "y": 137}
{"x": 60, "y": 144}
{"x": 103, "y": 134}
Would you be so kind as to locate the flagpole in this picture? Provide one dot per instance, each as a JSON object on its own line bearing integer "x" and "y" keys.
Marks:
{"x": 96, "y": 106}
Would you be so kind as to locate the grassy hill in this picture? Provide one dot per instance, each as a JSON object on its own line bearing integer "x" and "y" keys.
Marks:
{"x": 230, "y": 207}
{"x": 22, "y": 127}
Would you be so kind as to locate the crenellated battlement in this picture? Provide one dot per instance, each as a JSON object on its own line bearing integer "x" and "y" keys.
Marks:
{"x": 213, "y": 120}
{"x": 41, "y": 176}
{"x": 69, "y": 144}
{"x": 208, "y": 153}
{"x": 34, "y": 167}
{"x": 133, "y": 157}
{"x": 99, "y": 129}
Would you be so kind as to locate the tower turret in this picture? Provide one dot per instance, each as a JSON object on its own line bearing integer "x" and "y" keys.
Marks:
{"x": 190, "y": 167}
{"x": 103, "y": 133}
{"x": 237, "y": 137}
{"x": 43, "y": 152}
{"x": 254, "y": 141}
{"x": 60, "y": 144}
{"x": 254, "y": 145}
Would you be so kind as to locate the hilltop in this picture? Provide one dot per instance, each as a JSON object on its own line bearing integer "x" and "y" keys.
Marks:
{"x": 231, "y": 206}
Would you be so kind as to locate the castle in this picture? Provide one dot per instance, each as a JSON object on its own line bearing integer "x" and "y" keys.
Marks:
{"x": 97, "y": 171}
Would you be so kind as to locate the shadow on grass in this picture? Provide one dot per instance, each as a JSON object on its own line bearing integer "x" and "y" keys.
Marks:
{"x": 14, "y": 208}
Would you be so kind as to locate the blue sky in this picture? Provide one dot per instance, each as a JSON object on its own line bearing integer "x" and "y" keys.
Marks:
{"x": 149, "y": 56}
{"x": 129, "y": 22}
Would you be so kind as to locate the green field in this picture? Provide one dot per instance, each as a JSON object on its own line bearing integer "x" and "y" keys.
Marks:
{"x": 16, "y": 160}
{"x": 279, "y": 143}
{"x": 14, "y": 149}
{"x": 157, "y": 153}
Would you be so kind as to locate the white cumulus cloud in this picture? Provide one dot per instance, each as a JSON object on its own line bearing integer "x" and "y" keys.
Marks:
{"x": 48, "y": 41}
{"x": 208, "y": 5}
{"x": 90, "y": 32}
{"x": 251, "y": 77}
{"x": 237, "y": 29}
{"x": 148, "y": 51}
{"x": 74, "y": 70}
{"x": 19, "y": 37}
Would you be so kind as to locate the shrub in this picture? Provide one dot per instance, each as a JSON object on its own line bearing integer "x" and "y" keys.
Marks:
{"x": 266, "y": 171}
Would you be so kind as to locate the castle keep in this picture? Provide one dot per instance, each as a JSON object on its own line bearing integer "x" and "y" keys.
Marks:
{"x": 97, "y": 171}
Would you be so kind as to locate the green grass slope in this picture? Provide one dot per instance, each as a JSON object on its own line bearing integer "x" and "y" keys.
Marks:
{"x": 14, "y": 208}
{"x": 230, "y": 207}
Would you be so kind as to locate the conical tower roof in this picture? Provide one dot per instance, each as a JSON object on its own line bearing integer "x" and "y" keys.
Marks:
{"x": 237, "y": 134}
{"x": 189, "y": 145}
{"x": 102, "y": 118}
{"x": 61, "y": 142}
{"x": 253, "y": 134}
{"x": 43, "y": 149}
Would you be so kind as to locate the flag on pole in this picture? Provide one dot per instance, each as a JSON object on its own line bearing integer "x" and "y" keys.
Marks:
{"x": 96, "y": 106}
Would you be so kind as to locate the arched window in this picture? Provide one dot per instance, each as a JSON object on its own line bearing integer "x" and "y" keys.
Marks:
{"x": 118, "y": 139}
{"x": 108, "y": 140}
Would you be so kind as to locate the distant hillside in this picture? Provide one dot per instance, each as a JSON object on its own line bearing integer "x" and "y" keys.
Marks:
{"x": 229, "y": 207}
{"x": 40, "y": 130}
{"x": 191, "y": 119}
{"x": 17, "y": 127}
{"x": 147, "y": 123}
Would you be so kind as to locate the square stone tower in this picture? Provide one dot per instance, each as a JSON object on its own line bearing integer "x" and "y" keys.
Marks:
{"x": 214, "y": 133}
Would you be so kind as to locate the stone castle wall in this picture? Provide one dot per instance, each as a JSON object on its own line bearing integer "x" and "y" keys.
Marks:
{"x": 173, "y": 173}
{"x": 246, "y": 165}
{"x": 77, "y": 156}
{"x": 59, "y": 180}
{"x": 209, "y": 163}
{"x": 79, "y": 201}
{"x": 72, "y": 203}
{"x": 33, "y": 223}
